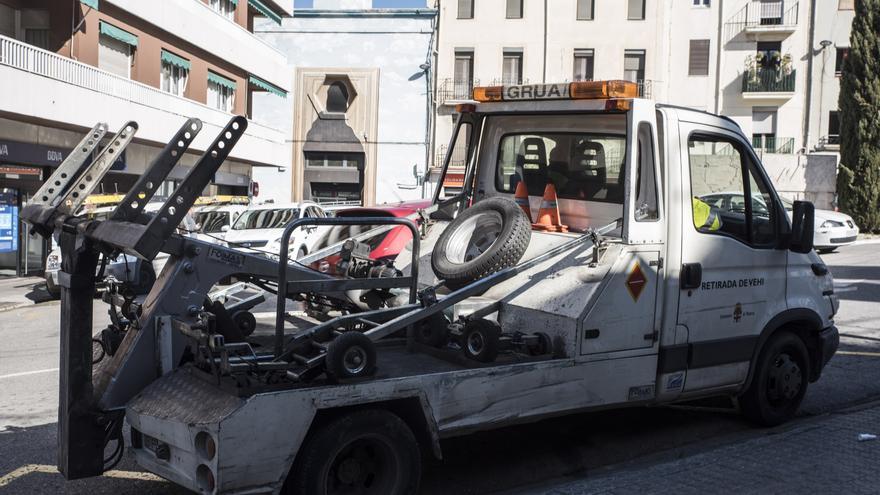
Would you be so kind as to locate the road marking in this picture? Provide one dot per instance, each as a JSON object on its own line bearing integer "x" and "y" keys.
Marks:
{"x": 26, "y": 373}
{"x": 47, "y": 469}
{"x": 859, "y": 353}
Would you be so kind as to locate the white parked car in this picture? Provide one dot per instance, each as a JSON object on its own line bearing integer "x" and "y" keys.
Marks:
{"x": 832, "y": 230}
{"x": 213, "y": 221}
{"x": 260, "y": 227}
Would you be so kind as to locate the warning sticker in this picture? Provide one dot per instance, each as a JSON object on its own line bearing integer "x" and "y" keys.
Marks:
{"x": 636, "y": 281}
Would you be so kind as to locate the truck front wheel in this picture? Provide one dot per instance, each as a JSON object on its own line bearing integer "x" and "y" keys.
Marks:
{"x": 780, "y": 381}
{"x": 368, "y": 452}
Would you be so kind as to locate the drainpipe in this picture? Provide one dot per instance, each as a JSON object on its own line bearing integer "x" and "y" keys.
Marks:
{"x": 718, "y": 56}
{"x": 808, "y": 98}
{"x": 544, "y": 75}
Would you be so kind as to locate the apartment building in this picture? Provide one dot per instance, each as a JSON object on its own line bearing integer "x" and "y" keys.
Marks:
{"x": 359, "y": 113}
{"x": 767, "y": 64}
{"x": 66, "y": 65}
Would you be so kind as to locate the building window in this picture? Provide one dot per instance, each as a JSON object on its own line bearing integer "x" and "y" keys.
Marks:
{"x": 764, "y": 129}
{"x": 634, "y": 65}
{"x": 585, "y": 10}
{"x": 511, "y": 70}
{"x": 224, "y": 7}
{"x": 114, "y": 56}
{"x": 35, "y": 27}
{"x": 583, "y": 65}
{"x": 465, "y": 9}
{"x": 175, "y": 73}
{"x": 833, "y": 127}
{"x": 462, "y": 79}
{"x": 334, "y": 159}
{"x": 636, "y": 10}
{"x": 702, "y": 3}
{"x": 698, "y": 60}
{"x": 7, "y": 21}
{"x": 221, "y": 92}
{"x": 842, "y": 53}
{"x": 769, "y": 54}
{"x": 337, "y": 98}
{"x": 514, "y": 9}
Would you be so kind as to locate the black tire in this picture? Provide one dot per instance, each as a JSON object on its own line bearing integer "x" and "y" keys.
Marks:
{"x": 371, "y": 452}
{"x": 780, "y": 381}
{"x": 246, "y": 322}
{"x": 351, "y": 355}
{"x": 480, "y": 340}
{"x": 146, "y": 278}
{"x": 826, "y": 250}
{"x": 459, "y": 268}
{"x": 433, "y": 331}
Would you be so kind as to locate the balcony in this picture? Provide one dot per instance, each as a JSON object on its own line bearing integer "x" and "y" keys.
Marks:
{"x": 768, "y": 84}
{"x": 43, "y": 85}
{"x": 450, "y": 91}
{"x": 197, "y": 23}
{"x": 767, "y": 20}
{"x": 773, "y": 144}
{"x": 830, "y": 142}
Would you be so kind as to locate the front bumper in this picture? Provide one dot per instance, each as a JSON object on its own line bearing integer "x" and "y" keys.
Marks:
{"x": 827, "y": 342}
{"x": 834, "y": 237}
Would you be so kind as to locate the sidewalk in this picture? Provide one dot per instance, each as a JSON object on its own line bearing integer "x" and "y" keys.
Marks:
{"x": 817, "y": 455}
{"x": 16, "y": 292}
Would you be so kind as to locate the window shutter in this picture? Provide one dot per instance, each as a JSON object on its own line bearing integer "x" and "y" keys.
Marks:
{"x": 465, "y": 9}
{"x": 514, "y": 9}
{"x": 585, "y": 10}
{"x": 636, "y": 9}
{"x": 114, "y": 56}
{"x": 698, "y": 62}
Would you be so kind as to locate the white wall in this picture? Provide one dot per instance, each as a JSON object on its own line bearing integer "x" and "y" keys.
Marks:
{"x": 395, "y": 45}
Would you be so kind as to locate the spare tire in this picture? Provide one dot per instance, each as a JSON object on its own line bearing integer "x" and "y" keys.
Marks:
{"x": 488, "y": 237}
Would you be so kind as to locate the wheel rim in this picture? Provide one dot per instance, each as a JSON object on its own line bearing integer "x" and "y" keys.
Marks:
{"x": 354, "y": 360}
{"x": 475, "y": 343}
{"x": 785, "y": 380}
{"x": 366, "y": 465}
{"x": 474, "y": 237}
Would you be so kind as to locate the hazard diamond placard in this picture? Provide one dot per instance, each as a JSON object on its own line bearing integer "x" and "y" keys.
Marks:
{"x": 636, "y": 281}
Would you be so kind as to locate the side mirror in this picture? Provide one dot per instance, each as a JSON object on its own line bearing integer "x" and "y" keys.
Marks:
{"x": 803, "y": 219}
{"x": 224, "y": 228}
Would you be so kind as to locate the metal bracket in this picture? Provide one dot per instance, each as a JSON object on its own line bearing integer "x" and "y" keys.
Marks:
{"x": 60, "y": 179}
{"x": 90, "y": 178}
{"x": 143, "y": 190}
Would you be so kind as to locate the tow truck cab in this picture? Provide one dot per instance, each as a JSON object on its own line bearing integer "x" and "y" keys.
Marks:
{"x": 663, "y": 307}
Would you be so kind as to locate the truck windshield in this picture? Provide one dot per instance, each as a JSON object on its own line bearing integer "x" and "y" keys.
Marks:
{"x": 275, "y": 218}
{"x": 211, "y": 222}
{"x": 582, "y": 166}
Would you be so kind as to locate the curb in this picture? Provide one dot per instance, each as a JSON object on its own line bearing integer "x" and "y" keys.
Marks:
{"x": 10, "y": 306}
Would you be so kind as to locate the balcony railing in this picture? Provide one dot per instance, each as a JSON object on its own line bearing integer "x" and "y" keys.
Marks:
{"x": 759, "y": 16}
{"x": 768, "y": 81}
{"x": 457, "y": 161}
{"x": 455, "y": 90}
{"x": 830, "y": 142}
{"x": 773, "y": 144}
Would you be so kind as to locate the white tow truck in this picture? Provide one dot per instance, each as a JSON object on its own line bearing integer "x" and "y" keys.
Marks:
{"x": 483, "y": 322}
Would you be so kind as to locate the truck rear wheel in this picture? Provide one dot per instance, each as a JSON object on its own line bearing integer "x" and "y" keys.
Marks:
{"x": 367, "y": 452}
{"x": 780, "y": 381}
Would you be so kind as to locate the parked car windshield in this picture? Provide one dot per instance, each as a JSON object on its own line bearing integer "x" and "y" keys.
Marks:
{"x": 212, "y": 222}
{"x": 275, "y": 218}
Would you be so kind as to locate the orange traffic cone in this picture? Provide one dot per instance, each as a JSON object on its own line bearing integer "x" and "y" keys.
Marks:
{"x": 548, "y": 215}
{"x": 522, "y": 199}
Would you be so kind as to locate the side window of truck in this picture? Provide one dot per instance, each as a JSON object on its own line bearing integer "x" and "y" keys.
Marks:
{"x": 722, "y": 177}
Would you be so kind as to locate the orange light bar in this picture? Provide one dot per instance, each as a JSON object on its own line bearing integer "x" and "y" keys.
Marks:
{"x": 600, "y": 90}
{"x": 465, "y": 108}
{"x": 618, "y": 105}
{"x": 489, "y": 93}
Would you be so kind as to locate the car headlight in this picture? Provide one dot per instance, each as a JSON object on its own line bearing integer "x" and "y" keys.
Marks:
{"x": 828, "y": 224}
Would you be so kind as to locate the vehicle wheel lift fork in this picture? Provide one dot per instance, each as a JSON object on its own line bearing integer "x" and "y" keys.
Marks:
{"x": 80, "y": 432}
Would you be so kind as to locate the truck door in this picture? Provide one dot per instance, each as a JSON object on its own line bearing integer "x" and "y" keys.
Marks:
{"x": 732, "y": 274}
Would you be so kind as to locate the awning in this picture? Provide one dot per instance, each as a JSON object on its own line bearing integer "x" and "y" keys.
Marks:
{"x": 266, "y": 11}
{"x": 117, "y": 33}
{"x": 234, "y": 2}
{"x": 90, "y": 3}
{"x": 173, "y": 59}
{"x": 222, "y": 81}
{"x": 256, "y": 81}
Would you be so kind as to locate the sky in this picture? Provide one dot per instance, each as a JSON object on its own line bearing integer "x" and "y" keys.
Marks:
{"x": 379, "y": 4}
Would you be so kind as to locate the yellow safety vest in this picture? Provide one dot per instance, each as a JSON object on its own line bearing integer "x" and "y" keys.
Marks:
{"x": 705, "y": 217}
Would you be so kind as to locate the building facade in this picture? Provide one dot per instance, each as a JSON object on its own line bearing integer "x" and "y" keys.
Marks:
{"x": 65, "y": 66}
{"x": 358, "y": 120}
{"x": 767, "y": 64}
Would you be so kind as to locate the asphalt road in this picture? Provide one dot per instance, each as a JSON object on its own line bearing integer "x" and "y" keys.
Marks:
{"x": 497, "y": 461}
